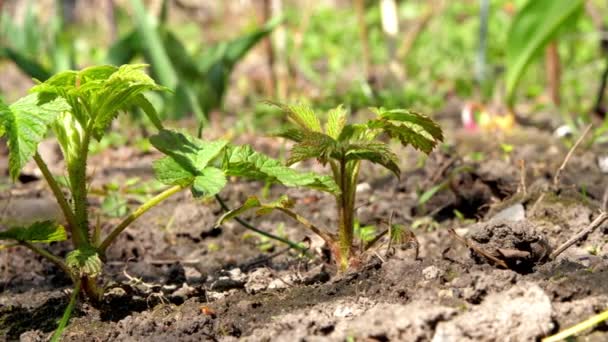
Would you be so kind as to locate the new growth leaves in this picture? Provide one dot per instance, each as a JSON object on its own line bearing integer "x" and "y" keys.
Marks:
{"x": 76, "y": 104}
{"x": 204, "y": 165}
{"x": 354, "y": 142}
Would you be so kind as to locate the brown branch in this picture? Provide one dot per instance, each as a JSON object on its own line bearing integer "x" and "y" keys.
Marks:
{"x": 477, "y": 250}
{"x": 580, "y": 235}
{"x": 558, "y": 174}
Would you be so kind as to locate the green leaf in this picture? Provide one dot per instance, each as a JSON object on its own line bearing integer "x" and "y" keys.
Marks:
{"x": 533, "y": 27}
{"x": 84, "y": 262}
{"x": 211, "y": 181}
{"x": 142, "y": 102}
{"x": 375, "y": 152}
{"x": 121, "y": 90}
{"x": 336, "y": 120}
{"x": 190, "y": 153}
{"x": 294, "y": 134}
{"x": 301, "y": 114}
{"x": 243, "y": 161}
{"x": 45, "y": 231}
{"x": 25, "y": 122}
{"x": 313, "y": 145}
{"x": 408, "y": 127}
{"x": 187, "y": 162}
{"x": 428, "y": 194}
{"x": 170, "y": 172}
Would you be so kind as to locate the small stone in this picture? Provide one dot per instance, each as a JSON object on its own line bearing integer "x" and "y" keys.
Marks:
{"x": 515, "y": 212}
{"x": 363, "y": 187}
{"x": 432, "y": 273}
{"x": 259, "y": 280}
{"x": 446, "y": 293}
{"x": 343, "y": 311}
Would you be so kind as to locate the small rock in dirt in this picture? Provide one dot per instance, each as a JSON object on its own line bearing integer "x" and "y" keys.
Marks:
{"x": 183, "y": 292}
{"x": 515, "y": 212}
{"x": 344, "y": 311}
{"x": 432, "y": 273}
{"x": 258, "y": 280}
{"x": 522, "y": 313}
{"x": 282, "y": 282}
{"x": 602, "y": 162}
{"x": 517, "y": 243}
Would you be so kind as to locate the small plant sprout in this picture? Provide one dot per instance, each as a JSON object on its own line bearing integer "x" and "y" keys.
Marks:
{"x": 343, "y": 147}
{"x": 78, "y": 106}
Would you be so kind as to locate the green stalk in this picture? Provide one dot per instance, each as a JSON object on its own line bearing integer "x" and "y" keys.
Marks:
{"x": 66, "y": 314}
{"x": 249, "y": 226}
{"x": 45, "y": 254}
{"x": 77, "y": 170}
{"x": 63, "y": 203}
{"x": 345, "y": 231}
{"x": 136, "y": 214}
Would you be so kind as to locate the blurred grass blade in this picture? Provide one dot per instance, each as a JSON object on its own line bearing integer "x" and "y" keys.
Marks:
{"x": 153, "y": 45}
{"x": 28, "y": 65}
{"x": 534, "y": 26}
{"x": 578, "y": 328}
{"x": 124, "y": 49}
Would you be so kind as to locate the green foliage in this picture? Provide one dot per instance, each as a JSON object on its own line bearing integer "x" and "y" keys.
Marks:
{"x": 534, "y": 26}
{"x": 199, "y": 79}
{"x": 45, "y": 232}
{"x": 187, "y": 162}
{"x": 84, "y": 261}
{"x": 26, "y": 123}
{"x": 243, "y": 161}
{"x": 343, "y": 146}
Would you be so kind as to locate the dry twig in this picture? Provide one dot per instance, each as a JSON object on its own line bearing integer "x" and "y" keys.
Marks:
{"x": 477, "y": 250}
{"x": 580, "y": 235}
{"x": 558, "y": 174}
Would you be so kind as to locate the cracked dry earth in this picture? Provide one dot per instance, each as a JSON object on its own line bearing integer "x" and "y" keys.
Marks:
{"x": 175, "y": 277}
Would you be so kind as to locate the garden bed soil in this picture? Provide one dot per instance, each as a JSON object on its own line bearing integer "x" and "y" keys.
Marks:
{"x": 173, "y": 276}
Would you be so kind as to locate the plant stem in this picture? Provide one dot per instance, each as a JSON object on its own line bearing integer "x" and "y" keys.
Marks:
{"x": 136, "y": 214}
{"x": 93, "y": 292}
{"x": 67, "y": 313}
{"x": 345, "y": 221}
{"x": 50, "y": 257}
{"x": 63, "y": 203}
{"x": 77, "y": 170}
{"x": 249, "y": 226}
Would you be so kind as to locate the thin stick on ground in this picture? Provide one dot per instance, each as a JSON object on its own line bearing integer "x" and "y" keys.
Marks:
{"x": 249, "y": 226}
{"x": 580, "y": 235}
{"x": 558, "y": 174}
{"x": 477, "y": 250}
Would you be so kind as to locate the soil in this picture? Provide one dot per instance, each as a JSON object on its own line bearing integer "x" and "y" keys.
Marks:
{"x": 174, "y": 276}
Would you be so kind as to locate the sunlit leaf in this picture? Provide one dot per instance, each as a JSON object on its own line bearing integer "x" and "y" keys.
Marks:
{"x": 336, "y": 120}
{"x": 25, "y": 122}
{"x": 408, "y": 127}
{"x": 312, "y": 146}
{"x": 45, "y": 231}
{"x": 302, "y": 115}
{"x": 243, "y": 161}
{"x": 375, "y": 152}
{"x": 211, "y": 181}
